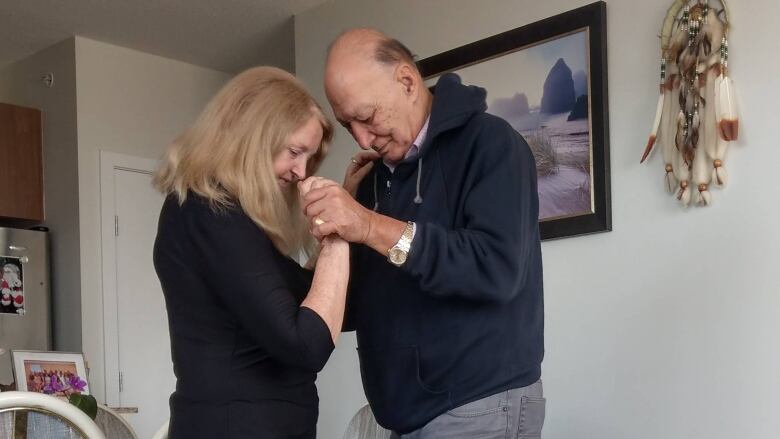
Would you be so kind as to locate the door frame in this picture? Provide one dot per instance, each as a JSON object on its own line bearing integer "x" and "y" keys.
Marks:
{"x": 109, "y": 163}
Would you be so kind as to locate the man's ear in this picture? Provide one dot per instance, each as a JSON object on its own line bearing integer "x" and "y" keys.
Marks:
{"x": 406, "y": 76}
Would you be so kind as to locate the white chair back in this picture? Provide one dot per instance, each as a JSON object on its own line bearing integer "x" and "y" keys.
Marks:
{"x": 47, "y": 417}
{"x": 114, "y": 426}
{"x": 162, "y": 433}
{"x": 363, "y": 426}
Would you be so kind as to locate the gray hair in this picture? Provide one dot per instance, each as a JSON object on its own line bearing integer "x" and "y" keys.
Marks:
{"x": 390, "y": 51}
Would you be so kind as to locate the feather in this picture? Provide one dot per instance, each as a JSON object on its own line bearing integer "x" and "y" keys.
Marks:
{"x": 683, "y": 174}
{"x": 669, "y": 130}
{"x": 670, "y": 181}
{"x": 701, "y": 167}
{"x": 684, "y": 195}
{"x": 721, "y": 145}
{"x": 716, "y": 97}
{"x": 719, "y": 175}
{"x": 704, "y": 197}
{"x": 714, "y": 29}
{"x": 654, "y": 132}
{"x": 701, "y": 164}
{"x": 679, "y": 140}
{"x": 728, "y": 121}
{"x": 709, "y": 119}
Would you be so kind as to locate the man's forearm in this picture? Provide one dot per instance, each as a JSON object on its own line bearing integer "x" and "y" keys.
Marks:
{"x": 384, "y": 232}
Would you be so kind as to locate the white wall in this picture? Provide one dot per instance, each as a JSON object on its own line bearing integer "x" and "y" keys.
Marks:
{"x": 133, "y": 103}
{"x": 666, "y": 327}
{"x": 20, "y": 84}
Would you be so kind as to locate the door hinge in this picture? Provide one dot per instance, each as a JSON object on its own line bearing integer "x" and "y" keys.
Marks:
{"x": 116, "y": 225}
{"x": 121, "y": 381}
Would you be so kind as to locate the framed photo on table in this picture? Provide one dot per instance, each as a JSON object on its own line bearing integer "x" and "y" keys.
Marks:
{"x": 548, "y": 79}
{"x": 52, "y": 373}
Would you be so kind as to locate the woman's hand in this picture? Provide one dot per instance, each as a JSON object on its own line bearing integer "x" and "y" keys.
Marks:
{"x": 313, "y": 182}
{"x": 359, "y": 166}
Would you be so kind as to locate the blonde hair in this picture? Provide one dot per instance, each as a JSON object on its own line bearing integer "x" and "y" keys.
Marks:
{"x": 227, "y": 156}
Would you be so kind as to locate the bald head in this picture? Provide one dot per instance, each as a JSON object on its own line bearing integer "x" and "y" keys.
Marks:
{"x": 371, "y": 44}
{"x": 359, "y": 41}
{"x": 365, "y": 49}
{"x": 376, "y": 91}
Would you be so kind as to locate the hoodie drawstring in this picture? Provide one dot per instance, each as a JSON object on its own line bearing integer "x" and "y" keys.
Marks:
{"x": 376, "y": 197}
{"x": 418, "y": 199}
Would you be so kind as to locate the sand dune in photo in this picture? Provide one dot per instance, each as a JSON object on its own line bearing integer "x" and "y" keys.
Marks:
{"x": 564, "y": 190}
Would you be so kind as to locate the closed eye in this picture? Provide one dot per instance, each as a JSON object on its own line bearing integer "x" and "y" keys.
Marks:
{"x": 347, "y": 124}
{"x": 368, "y": 120}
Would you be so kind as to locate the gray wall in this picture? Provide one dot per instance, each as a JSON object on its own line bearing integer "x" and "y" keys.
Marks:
{"x": 105, "y": 98}
{"x": 132, "y": 103}
{"x": 666, "y": 327}
{"x": 20, "y": 84}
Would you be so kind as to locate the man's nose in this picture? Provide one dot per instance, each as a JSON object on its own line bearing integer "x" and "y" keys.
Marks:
{"x": 362, "y": 135}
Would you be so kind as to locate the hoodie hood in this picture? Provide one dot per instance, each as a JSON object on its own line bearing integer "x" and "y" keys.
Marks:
{"x": 454, "y": 104}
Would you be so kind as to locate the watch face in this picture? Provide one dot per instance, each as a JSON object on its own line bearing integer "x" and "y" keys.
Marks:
{"x": 397, "y": 256}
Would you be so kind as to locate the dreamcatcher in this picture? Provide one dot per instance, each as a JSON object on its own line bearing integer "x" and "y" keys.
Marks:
{"x": 696, "y": 117}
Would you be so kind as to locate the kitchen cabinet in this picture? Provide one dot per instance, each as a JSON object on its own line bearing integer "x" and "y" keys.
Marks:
{"x": 21, "y": 164}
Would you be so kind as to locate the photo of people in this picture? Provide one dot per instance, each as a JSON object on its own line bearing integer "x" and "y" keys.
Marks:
{"x": 11, "y": 286}
{"x": 54, "y": 378}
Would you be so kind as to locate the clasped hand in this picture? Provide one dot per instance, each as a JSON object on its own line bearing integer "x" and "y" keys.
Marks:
{"x": 332, "y": 209}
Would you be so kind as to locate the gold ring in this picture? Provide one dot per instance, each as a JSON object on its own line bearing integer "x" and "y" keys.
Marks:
{"x": 318, "y": 221}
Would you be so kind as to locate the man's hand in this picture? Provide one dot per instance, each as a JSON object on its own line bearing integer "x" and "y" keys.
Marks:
{"x": 359, "y": 166}
{"x": 331, "y": 209}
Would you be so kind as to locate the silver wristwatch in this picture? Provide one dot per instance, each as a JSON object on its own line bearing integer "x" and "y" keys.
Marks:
{"x": 400, "y": 251}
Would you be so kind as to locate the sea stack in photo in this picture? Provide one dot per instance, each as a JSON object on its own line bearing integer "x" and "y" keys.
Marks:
{"x": 580, "y": 83}
{"x": 511, "y": 108}
{"x": 580, "y": 110}
{"x": 558, "y": 96}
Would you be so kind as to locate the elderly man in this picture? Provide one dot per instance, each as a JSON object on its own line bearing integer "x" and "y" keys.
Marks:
{"x": 446, "y": 288}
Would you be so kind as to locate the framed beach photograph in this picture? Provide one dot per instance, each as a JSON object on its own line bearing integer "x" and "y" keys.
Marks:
{"x": 548, "y": 79}
{"x": 53, "y": 373}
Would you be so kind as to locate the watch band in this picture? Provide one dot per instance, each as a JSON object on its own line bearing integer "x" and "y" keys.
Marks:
{"x": 398, "y": 253}
{"x": 405, "y": 241}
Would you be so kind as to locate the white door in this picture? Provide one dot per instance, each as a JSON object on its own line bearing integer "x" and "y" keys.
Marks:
{"x": 139, "y": 372}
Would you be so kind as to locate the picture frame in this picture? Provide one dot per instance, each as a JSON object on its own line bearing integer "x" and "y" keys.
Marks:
{"x": 53, "y": 373}
{"x": 564, "y": 116}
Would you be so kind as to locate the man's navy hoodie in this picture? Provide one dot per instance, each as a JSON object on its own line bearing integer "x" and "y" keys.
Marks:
{"x": 463, "y": 318}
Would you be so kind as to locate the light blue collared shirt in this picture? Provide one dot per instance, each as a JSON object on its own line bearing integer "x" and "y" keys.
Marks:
{"x": 414, "y": 150}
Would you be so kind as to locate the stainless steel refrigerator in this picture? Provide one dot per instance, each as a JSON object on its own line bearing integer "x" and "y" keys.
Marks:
{"x": 25, "y": 312}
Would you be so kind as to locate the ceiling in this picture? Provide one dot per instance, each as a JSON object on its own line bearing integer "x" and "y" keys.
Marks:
{"x": 225, "y": 35}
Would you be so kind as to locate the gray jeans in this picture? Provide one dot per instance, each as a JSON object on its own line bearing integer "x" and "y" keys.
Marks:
{"x": 516, "y": 413}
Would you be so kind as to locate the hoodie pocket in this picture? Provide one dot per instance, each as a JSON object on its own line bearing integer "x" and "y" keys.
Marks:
{"x": 399, "y": 397}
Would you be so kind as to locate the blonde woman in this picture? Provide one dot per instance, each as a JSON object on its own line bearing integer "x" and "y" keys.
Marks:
{"x": 249, "y": 327}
